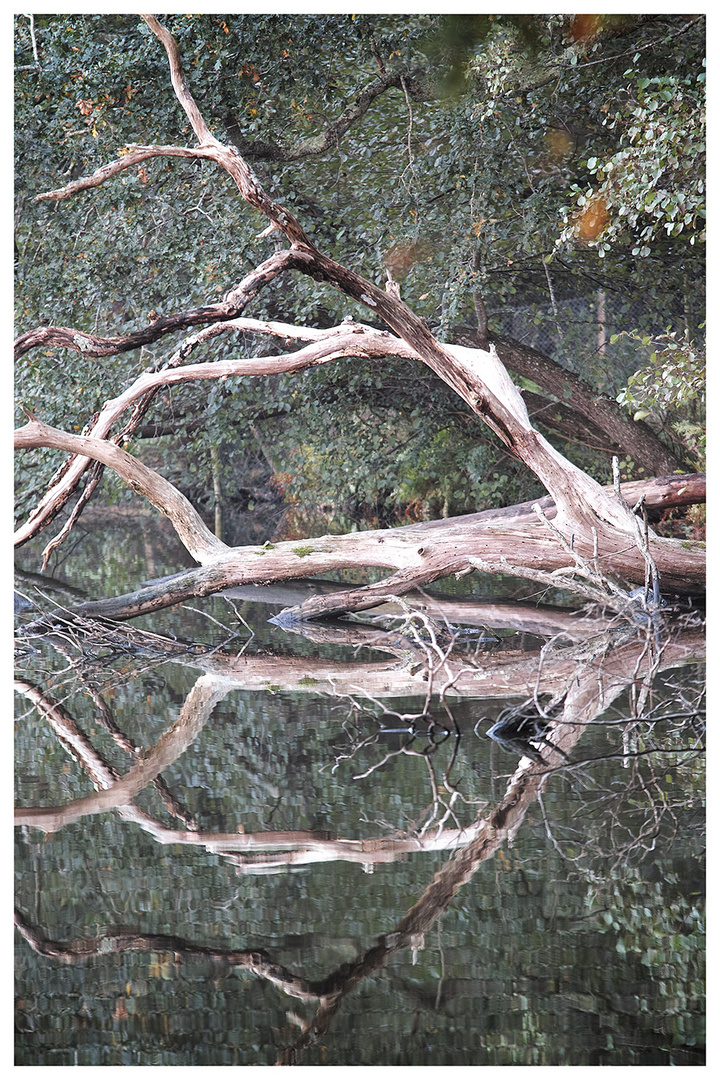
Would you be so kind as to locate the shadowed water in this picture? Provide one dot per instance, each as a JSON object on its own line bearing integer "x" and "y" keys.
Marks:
{"x": 240, "y": 845}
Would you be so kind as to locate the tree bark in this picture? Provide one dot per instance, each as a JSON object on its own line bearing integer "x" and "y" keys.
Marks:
{"x": 625, "y": 435}
{"x": 590, "y": 522}
{"x": 419, "y": 554}
{"x": 191, "y": 529}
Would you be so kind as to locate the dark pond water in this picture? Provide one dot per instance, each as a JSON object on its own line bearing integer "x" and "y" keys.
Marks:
{"x": 320, "y": 859}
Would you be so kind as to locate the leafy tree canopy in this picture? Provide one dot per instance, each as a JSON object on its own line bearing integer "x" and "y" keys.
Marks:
{"x": 547, "y": 170}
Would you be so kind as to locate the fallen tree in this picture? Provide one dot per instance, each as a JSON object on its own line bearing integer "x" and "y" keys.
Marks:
{"x": 593, "y": 532}
{"x": 419, "y": 554}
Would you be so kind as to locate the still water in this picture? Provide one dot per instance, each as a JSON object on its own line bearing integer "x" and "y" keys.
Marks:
{"x": 291, "y": 848}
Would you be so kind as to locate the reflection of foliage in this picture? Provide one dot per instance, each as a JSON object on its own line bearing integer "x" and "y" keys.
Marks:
{"x": 670, "y": 942}
{"x": 495, "y": 974}
{"x": 646, "y": 805}
{"x": 535, "y": 939}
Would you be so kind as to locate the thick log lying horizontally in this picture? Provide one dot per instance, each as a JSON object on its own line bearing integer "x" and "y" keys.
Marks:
{"x": 418, "y": 554}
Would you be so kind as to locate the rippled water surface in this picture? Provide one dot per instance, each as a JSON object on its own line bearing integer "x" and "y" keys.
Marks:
{"x": 319, "y": 856}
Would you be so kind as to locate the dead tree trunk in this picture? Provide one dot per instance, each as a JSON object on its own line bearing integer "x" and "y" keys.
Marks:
{"x": 591, "y": 523}
{"x": 514, "y": 540}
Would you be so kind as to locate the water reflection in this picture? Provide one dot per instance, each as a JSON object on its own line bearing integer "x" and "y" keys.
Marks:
{"x": 195, "y": 813}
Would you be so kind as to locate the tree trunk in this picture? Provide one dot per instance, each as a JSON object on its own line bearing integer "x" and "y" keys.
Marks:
{"x": 509, "y": 540}
{"x": 591, "y": 523}
{"x": 625, "y": 436}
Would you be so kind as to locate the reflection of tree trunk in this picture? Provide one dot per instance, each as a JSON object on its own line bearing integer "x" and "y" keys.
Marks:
{"x": 489, "y": 674}
{"x": 447, "y": 611}
{"x": 198, "y": 706}
{"x": 589, "y": 694}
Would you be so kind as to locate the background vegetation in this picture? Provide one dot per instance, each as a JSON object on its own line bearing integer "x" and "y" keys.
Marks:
{"x": 548, "y": 170}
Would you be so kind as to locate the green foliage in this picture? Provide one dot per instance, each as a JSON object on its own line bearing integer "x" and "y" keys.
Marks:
{"x": 454, "y": 193}
{"x": 454, "y": 472}
{"x": 655, "y": 181}
{"x": 670, "y": 388}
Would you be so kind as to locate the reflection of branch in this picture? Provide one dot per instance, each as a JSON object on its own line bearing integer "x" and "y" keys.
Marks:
{"x": 588, "y": 696}
{"x": 195, "y": 712}
{"x": 492, "y": 832}
{"x": 493, "y": 676}
{"x": 488, "y": 834}
{"x": 73, "y": 952}
{"x": 107, "y": 720}
{"x": 420, "y": 631}
{"x": 69, "y": 734}
{"x": 250, "y": 851}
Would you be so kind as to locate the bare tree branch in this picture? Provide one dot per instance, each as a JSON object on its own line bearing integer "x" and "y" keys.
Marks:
{"x": 235, "y": 302}
{"x": 182, "y": 91}
{"x": 130, "y": 158}
{"x": 191, "y": 529}
{"x": 314, "y": 145}
{"x": 591, "y": 521}
{"x": 345, "y": 340}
